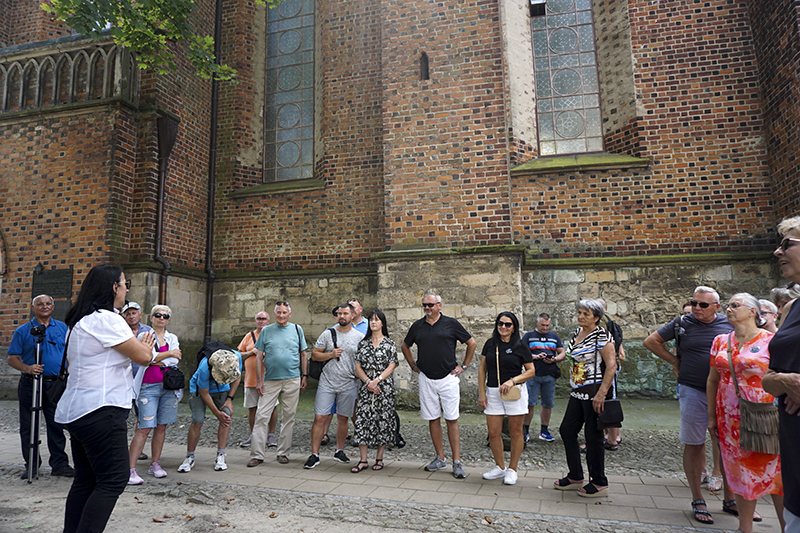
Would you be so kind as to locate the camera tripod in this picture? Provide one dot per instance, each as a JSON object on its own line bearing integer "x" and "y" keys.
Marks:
{"x": 36, "y": 409}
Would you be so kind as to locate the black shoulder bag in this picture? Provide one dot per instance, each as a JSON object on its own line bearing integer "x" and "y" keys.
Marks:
{"x": 612, "y": 416}
{"x": 315, "y": 367}
{"x": 56, "y": 390}
{"x": 173, "y": 378}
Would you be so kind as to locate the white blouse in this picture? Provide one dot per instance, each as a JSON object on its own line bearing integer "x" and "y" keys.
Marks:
{"x": 99, "y": 375}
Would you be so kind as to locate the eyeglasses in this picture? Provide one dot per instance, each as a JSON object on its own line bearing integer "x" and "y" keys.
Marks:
{"x": 127, "y": 284}
{"x": 282, "y": 303}
{"x": 734, "y": 306}
{"x": 787, "y": 243}
{"x": 429, "y": 305}
{"x": 161, "y": 315}
{"x": 702, "y": 305}
{"x": 261, "y": 318}
{"x": 505, "y": 324}
{"x": 765, "y": 313}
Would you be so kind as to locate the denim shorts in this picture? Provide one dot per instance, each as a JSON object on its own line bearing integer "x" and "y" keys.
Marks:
{"x": 156, "y": 406}
{"x": 546, "y": 385}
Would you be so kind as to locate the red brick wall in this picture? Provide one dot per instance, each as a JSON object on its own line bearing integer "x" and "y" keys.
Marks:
{"x": 777, "y": 45}
{"x": 335, "y": 227}
{"x": 445, "y": 152}
{"x": 25, "y": 21}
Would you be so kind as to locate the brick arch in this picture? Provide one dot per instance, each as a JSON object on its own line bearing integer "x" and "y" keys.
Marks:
{"x": 47, "y": 82}
{"x": 13, "y": 87}
{"x": 30, "y": 85}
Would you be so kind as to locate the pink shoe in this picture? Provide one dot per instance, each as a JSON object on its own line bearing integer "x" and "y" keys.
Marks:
{"x": 156, "y": 470}
{"x": 135, "y": 479}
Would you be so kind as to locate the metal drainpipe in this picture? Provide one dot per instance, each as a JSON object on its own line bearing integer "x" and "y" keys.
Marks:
{"x": 212, "y": 171}
{"x": 167, "y": 133}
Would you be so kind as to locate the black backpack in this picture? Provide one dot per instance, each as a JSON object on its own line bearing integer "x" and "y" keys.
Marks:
{"x": 315, "y": 367}
{"x": 208, "y": 350}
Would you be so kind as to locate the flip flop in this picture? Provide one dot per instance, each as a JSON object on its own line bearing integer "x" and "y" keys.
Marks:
{"x": 358, "y": 468}
{"x": 378, "y": 464}
{"x": 701, "y": 512}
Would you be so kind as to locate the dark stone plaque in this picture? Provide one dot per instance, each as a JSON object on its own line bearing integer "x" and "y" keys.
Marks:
{"x": 55, "y": 283}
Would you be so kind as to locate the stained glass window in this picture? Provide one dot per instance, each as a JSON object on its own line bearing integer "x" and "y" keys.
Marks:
{"x": 289, "y": 121}
{"x": 565, "y": 70}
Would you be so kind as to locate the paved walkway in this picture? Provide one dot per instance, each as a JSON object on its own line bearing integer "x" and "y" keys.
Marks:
{"x": 641, "y": 500}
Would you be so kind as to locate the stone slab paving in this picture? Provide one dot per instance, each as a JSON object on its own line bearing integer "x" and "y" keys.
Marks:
{"x": 638, "y": 500}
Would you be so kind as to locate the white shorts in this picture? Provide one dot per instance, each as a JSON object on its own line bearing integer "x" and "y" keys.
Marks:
{"x": 497, "y": 406}
{"x": 251, "y": 398}
{"x": 432, "y": 391}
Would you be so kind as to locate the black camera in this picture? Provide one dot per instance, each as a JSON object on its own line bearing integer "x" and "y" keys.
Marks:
{"x": 38, "y": 331}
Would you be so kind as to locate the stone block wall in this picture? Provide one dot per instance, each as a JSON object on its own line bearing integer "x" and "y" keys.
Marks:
{"x": 641, "y": 298}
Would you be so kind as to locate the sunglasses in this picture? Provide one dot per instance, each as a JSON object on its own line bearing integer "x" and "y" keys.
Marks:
{"x": 734, "y": 306}
{"x": 261, "y": 318}
{"x": 127, "y": 284}
{"x": 429, "y": 305}
{"x": 161, "y": 315}
{"x": 282, "y": 303}
{"x": 505, "y": 324}
{"x": 787, "y": 243}
{"x": 702, "y": 305}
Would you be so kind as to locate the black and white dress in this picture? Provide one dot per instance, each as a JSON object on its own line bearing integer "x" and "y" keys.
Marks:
{"x": 374, "y": 425}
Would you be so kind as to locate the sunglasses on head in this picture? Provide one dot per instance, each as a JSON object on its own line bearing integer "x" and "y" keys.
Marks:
{"x": 282, "y": 303}
{"x": 161, "y": 315}
{"x": 703, "y": 305}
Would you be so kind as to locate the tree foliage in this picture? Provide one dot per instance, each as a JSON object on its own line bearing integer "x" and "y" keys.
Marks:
{"x": 149, "y": 28}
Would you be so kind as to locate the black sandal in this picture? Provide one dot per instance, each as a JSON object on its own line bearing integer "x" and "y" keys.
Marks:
{"x": 358, "y": 468}
{"x": 378, "y": 464}
{"x": 728, "y": 507}
{"x": 325, "y": 440}
{"x": 701, "y": 512}
{"x": 567, "y": 484}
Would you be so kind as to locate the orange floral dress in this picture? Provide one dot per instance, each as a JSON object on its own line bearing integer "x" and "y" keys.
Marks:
{"x": 750, "y": 474}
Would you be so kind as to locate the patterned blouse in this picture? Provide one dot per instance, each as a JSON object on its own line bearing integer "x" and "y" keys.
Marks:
{"x": 587, "y": 367}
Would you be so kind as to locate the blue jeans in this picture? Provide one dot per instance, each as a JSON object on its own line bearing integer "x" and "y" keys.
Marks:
{"x": 547, "y": 386}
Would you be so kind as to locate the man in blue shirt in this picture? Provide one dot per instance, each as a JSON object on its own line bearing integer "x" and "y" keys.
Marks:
{"x": 547, "y": 350}
{"x": 22, "y": 357}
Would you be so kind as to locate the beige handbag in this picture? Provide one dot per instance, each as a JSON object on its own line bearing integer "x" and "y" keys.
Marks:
{"x": 758, "y": 430}
{"x": 513, "y": 393}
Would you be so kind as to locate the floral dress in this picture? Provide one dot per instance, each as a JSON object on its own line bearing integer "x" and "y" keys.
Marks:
{"x": 750, "y": 474}
{"x": 374, "y": 422}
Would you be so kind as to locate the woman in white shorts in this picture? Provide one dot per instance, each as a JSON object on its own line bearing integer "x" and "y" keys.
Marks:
{"x": 505, "y": 351}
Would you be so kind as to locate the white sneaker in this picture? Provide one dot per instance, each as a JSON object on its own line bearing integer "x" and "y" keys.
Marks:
{"x": 186, "y": 465}
{"x": 494, "y": 473}
{"x": 510, "y": 477}
{"x": 220, "y": 463}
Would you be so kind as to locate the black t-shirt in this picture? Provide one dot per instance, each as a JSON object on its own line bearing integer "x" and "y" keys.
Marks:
{"x": 512, "y": 359}
{"x": 436, "y": 344}
{"x": 784, "y": 357}
{"x": 694, "y": 348}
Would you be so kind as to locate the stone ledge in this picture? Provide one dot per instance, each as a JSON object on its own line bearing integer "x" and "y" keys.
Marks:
{"x": 64, "y": 108}
{"x": 652, "y": 260}
{"x": 566, "y": 163}
{"x": 456, "y": 250}
{"x": 281, "y": 187}
{"x": 158, "y": 268}
{"x": 323, "y": 272}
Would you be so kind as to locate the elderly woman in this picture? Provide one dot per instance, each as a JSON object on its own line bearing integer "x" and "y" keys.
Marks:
{"x": 749, "y": 475}
{"x": 375, "y": 360}
{"x": 783, "y": 377}
{"x": 98, "y": 397}
{"x": 592, "y": 355}
{"x": 769, "y": 312}
{"x": 157, "y": 406}
{"x": 505, "y": 353}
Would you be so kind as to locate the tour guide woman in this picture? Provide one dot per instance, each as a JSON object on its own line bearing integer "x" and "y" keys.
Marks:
{"x": 516, "y": 367}
{"x": 98, "y": 396}
{"x": 592, "y": 355}
{"x": 782, "y": 380}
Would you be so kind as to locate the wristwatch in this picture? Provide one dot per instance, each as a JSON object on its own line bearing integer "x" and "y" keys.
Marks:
{"x": 230, "y": 397}
{"x": 464, "y": 367}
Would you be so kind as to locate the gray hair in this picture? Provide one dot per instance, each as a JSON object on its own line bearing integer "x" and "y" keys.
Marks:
{"x": 594, "y": 306}
{"x": 707, "y": 290}
{"x": 781, "y": 293}
{"x": 748, "y": 300}
{"x": 160, "y": 309}
{"x": 33, "y": 302}
{"x": 431, "y": 293}
{"x": 771, "y": 307}
{"x": 789, "y": 224}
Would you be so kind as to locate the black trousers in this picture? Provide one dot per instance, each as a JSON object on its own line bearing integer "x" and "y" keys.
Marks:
{"x": 100, "y": 452}
{"x": 56, "y": 440}
{"x": 580, "y": 413}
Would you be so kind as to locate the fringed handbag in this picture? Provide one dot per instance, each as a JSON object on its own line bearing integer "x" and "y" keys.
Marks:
{"x": 758, "y": 430}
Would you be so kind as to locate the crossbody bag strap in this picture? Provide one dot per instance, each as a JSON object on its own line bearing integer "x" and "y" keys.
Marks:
{"x": 497, "y": 354}
{"x": 63, "y": 370}
{"x": 730, "y": 362}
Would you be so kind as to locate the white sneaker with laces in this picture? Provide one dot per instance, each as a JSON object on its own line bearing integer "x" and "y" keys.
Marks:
{"x": 510, "y": 477}
{"x": 220, "y": 462}
{"x": 494, "y": 473}
{"x": 186, "y": 465}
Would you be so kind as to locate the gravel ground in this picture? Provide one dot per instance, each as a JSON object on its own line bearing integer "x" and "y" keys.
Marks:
{"x": 642, "y": 453}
